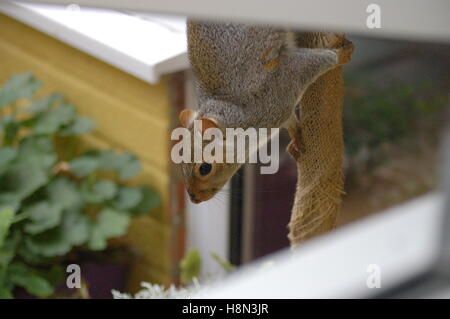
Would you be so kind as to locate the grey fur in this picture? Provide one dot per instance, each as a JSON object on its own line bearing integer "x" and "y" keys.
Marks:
{"x": 250, "y": 95}
{"x": 246, "y": 76}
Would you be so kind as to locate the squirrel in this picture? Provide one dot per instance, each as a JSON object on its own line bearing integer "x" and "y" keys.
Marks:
{"x": 247, "y": 76}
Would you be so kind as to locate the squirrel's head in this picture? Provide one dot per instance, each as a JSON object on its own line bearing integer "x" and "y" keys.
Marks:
{"x": 203, "y": 180}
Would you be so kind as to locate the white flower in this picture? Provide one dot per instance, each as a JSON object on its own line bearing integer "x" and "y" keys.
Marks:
{"x": 154, "y": 291}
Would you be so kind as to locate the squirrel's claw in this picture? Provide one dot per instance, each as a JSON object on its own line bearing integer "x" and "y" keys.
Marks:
{"x": 293, "y": 150}
{"x": 296, "y": 147}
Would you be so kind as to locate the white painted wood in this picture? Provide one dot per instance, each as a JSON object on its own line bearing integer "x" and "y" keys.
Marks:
{"x": 406, "y": 19}
{"x": 144, "y": 47}
{"x": 403, "y": 241}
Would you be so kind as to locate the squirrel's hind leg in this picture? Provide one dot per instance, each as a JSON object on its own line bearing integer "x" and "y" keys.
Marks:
{"x": 304, "y": 66}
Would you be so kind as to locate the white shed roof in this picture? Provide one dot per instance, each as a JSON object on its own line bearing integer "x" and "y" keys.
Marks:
{"x": 144, "y": 45}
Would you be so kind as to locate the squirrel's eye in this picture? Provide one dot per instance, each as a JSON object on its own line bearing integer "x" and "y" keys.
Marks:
{"x": 205, "y": 169}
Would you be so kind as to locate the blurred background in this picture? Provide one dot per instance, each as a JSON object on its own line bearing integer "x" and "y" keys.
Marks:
{"x": 87, "y": 104}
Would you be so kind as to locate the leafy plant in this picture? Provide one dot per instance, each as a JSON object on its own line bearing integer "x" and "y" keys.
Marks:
{"x": 191, "y": 265}
{"x": 50, "y": 205}
{"x": 387, "y": 113}
{"x": 191, "y": 285}
{"x": 225, "y": 264}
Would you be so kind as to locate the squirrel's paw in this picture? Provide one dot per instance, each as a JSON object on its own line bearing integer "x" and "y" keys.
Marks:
{"x": 293, "y": 150}
{"x": 344, "y": 52}
{"x": 296, "y": 147}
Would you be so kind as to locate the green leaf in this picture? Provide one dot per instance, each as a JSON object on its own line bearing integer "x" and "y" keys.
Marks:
{"x": 51, "y": 121}
{"x": 109, "y": 224}
{"x": 126, "y": 164}
{"x": 106, "y": 189}
{"x": 6, "y": 217}
{"x": 84, "y": 165}
{"x": 18, "y": 86}
{"x": 111, "y": 160}
{"x": 45, "y": 103}
{"x": 98, "y": 192}
{"x": 64, "y": 193}
{"x": 37, "y": 150}
{"x": 6, "y": 293}
{"x": 7, "y": 155}
{"x": 222, "y": 262}
{"x": 33, "y": 258}
{"x": 8, "y": 249}
{"x": 131, "y": 168}
{"x": 10, "y": 128}
{"x": 23, "y": 179}
{"x": 150, "y": 200}
{"x": 23, "y": 276}
{"x": 55, "y": 274}
{"x": 7, "y": 253}
{"x": 6, "y": 256}
{"x": 128, "y": 198}
{"x": 9, "y": 200}
{"x": 73, "y": 231}
{"x": 190, "y": 266}
{"x": 81, "y": 125}
{"x": 6, "y": 286}
{"x": 42, "y": 216}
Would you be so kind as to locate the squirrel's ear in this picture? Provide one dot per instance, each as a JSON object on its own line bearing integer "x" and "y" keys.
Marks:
{"x": 186, "y": 117}
{"x": 208, "y": 122}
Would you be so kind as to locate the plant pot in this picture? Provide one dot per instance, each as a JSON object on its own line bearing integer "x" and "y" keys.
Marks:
{"x": 101, "y": 278}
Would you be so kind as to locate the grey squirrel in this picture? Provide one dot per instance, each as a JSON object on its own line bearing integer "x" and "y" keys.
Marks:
{"x": 247, "y": 76}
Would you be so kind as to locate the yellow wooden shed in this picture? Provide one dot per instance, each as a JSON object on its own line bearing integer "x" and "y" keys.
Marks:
{"x": 123, "y": 71}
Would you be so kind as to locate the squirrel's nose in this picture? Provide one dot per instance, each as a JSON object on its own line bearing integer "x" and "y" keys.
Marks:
{"x": 193, "y": 198}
